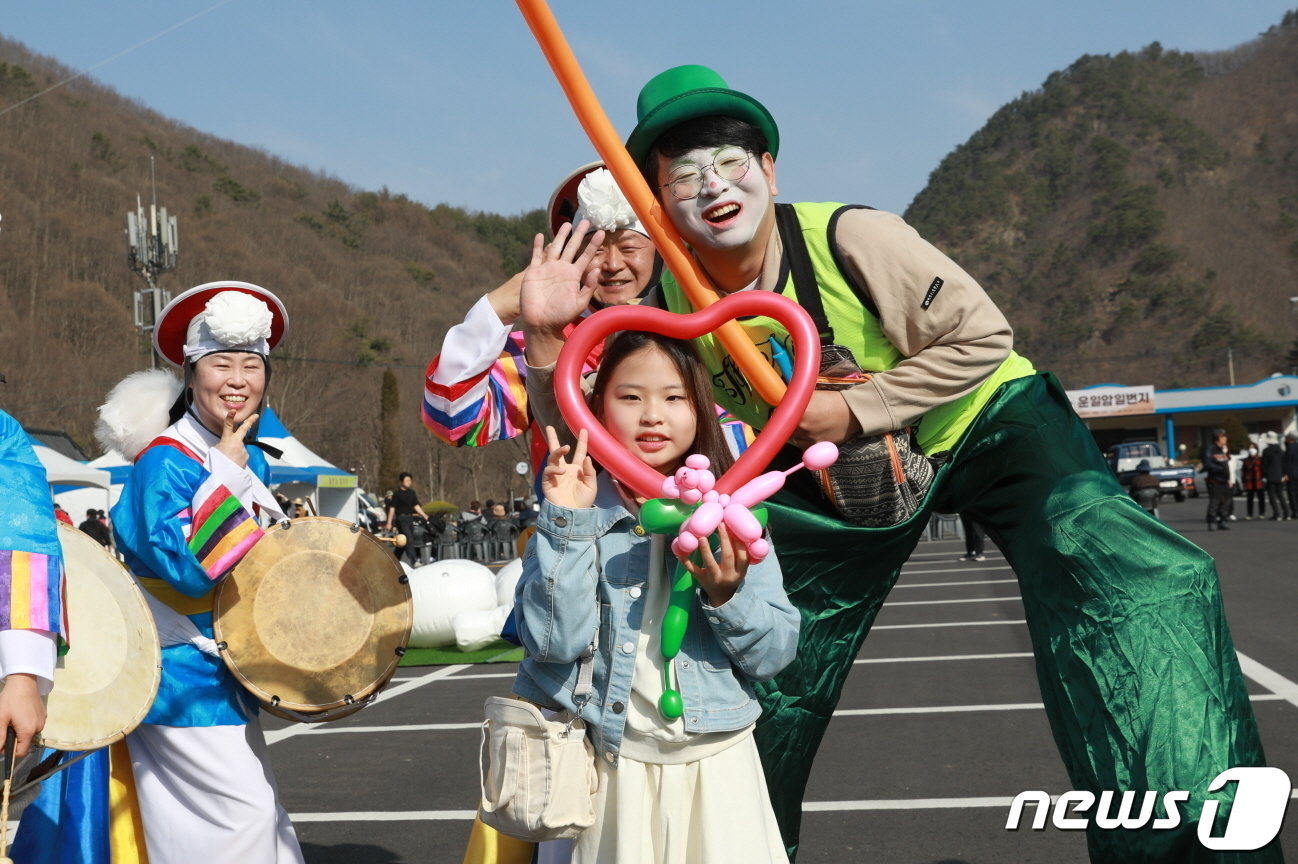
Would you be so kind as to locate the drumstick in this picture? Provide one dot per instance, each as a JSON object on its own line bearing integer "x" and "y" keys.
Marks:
{"x": 11, "y": 738}
{"x": 399, "y": 540}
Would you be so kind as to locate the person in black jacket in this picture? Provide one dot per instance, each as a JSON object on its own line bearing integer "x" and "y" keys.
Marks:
{"x": 1273, "y": 474}
{"x": 95, "y": 528}
{"x": 1289, "y": 466}
{"x": 1216, "y": 465}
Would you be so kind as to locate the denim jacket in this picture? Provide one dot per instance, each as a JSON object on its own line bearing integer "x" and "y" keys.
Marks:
{"x": 583, "y": 579}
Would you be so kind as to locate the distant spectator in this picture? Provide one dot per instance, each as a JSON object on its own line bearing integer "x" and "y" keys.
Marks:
{"x": 973, "y": 540}
{"x": 62, "y": 515}
{"x": 474, "y": 512}
{"x": 96, "y": 529}
{"x": 1273, "y": 473}
{"x": 1216, "y": 465}
{"x": 1290, "y": 466}
{"x": 524, "y": 513}
{"x": 403, "y": 512}
{"x": 1144, "y": 487}
{"x": 1253, "y": 482}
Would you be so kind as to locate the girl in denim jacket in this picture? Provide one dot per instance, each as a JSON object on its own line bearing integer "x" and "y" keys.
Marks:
{"x": 688, "y": 789}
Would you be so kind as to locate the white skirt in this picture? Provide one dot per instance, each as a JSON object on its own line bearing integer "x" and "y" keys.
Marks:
{"x": 207, "y": 794}
{"x": 715, "y": 810}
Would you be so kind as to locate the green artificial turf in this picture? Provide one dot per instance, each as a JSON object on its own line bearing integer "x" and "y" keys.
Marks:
{"x": 497, "y": 652}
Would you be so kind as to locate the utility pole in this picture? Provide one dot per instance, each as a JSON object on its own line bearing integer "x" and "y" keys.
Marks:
{"x": 152, "y": 246}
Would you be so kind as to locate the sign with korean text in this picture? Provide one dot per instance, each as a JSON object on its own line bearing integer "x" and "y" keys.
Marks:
{"x": 1112, "y": 401}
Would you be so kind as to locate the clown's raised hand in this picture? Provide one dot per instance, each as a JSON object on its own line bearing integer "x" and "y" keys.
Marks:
{"x": 555, "y": 291}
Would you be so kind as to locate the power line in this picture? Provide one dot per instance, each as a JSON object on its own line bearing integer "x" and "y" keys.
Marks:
{"x": 118, "y": 55}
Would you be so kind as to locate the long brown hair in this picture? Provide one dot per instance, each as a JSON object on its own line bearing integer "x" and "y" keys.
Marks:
{"x": 709, "y": 440}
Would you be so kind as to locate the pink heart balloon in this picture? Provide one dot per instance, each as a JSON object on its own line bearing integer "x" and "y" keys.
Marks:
{"x": 779, "y": 428}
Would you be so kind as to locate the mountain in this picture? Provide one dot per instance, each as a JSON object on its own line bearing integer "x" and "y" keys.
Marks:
{"x": 371, "y": 279}
{"x": 1137, "y": 216}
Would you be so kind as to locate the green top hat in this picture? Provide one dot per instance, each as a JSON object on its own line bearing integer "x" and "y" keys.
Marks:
{"x": 686, "y": 92}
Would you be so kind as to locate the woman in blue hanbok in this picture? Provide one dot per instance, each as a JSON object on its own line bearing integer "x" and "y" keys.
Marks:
{"x": 199, "y": 784}
{"x": 31, "y": 575}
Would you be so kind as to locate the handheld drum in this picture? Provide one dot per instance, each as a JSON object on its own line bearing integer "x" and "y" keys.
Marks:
{"x": 314, "y": 619}
{"x": 106, "y": 682}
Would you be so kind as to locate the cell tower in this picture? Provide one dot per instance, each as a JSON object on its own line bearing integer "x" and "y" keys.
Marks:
{"x": 153, "y": 244}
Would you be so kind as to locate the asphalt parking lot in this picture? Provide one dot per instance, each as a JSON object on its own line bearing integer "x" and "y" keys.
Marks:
{"x": 939, "y": 727}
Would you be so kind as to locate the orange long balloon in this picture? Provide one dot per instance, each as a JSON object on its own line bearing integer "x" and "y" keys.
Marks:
{"x": 610, "y": 148}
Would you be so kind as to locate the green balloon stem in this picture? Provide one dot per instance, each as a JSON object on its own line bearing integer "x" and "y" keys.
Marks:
{"x": 675, "y": 620}
{"x": 670, "y": 704}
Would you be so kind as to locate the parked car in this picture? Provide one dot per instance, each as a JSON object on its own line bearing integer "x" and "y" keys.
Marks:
{"x": 1174, "y": 480}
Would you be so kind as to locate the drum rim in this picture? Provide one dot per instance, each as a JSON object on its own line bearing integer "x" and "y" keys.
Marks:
{"x": 129, "y": 593}
{"x": 273, "y": 702}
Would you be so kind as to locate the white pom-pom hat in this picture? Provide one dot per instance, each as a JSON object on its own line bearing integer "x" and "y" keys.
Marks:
{"x": 216, "y": 316}
{"x": 591, "y": 193}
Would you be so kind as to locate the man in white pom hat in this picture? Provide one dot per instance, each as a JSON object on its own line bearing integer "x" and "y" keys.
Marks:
{"x": 192, "y": 507}
{"x": 473, "y": 389}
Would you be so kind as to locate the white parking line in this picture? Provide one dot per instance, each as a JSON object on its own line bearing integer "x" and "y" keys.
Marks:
{"x": 944, "y": 602}
{"x": 379, "y": 816}
{"x": 920, "y": 804}
{"x": 946, "y": 584}
{"x": 807, "y": 807}
{"x": 390, "y": 692}
{"x": 977, "y": 568}
{"x": 904, "y": 804}
{"x": 1281, "y": 686}
{"x": 414, "y": 727}
{"x": 941, "y": 657}
{"x": 844, "y": 712}
{"x": 951, "y": 624}
{"x": 970, "y": 709}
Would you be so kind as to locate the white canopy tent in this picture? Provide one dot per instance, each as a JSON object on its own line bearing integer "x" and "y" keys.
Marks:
{"x": 76, "y": 485}
{"x": 301, "y": 473}
{"x": 78, "y": 501}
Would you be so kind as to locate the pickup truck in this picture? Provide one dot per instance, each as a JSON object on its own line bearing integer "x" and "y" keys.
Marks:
{"x": 1177, "y": 481}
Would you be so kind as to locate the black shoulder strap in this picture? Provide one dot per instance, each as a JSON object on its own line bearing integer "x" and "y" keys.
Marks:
{"x": 804, "y": 276}
{"x": 859, "y": 290}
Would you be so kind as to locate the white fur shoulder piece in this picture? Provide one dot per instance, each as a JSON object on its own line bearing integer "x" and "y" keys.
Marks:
{"x": 136, "y": 411}
{"x": 235, "y": 318}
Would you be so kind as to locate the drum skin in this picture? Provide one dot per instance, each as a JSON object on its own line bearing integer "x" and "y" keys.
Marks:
{"x": 314, "y": 619}
{"x": 106, "y": 683}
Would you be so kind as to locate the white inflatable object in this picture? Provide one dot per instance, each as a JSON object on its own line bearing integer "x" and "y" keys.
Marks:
{"x": 443, "y": 589}
{"x": 475, "y": 630}
{"x": 506, "y": 579}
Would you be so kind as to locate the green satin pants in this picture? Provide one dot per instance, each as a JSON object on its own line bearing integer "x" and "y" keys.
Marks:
{"x": 1134, "y": 658}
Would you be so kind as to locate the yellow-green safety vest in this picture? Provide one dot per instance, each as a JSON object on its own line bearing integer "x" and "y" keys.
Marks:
{"x": 855, "y": 328}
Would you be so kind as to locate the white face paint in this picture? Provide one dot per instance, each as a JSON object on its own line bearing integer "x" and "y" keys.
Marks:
{"x": 727, "y": 213}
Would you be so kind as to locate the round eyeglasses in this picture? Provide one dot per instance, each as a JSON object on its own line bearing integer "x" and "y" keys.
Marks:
{"x": 728, "y": 163}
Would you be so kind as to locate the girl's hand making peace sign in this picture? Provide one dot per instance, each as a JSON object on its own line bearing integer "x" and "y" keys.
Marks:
{"x": 568, "y": 484}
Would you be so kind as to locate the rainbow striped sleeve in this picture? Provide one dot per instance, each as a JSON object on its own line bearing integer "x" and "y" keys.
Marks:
{"x": 738, "y": 434}
{"x": 490, "y": 406}
{"x": 221, "y": 530}
{"x": 30, "y": 586}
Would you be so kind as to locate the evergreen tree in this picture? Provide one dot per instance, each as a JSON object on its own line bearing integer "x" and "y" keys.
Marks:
{"x": 390, "y": 431}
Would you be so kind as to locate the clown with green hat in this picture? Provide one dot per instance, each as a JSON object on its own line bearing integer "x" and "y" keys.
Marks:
{"x": 1125, "y": 615}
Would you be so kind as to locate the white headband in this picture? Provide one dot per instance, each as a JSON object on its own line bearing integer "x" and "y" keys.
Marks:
{"x": 231, "y": 321}
{"x": 601, "y": 202}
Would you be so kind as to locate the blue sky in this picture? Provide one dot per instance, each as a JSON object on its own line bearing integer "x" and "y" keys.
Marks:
{"x": 454, "y": 103}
